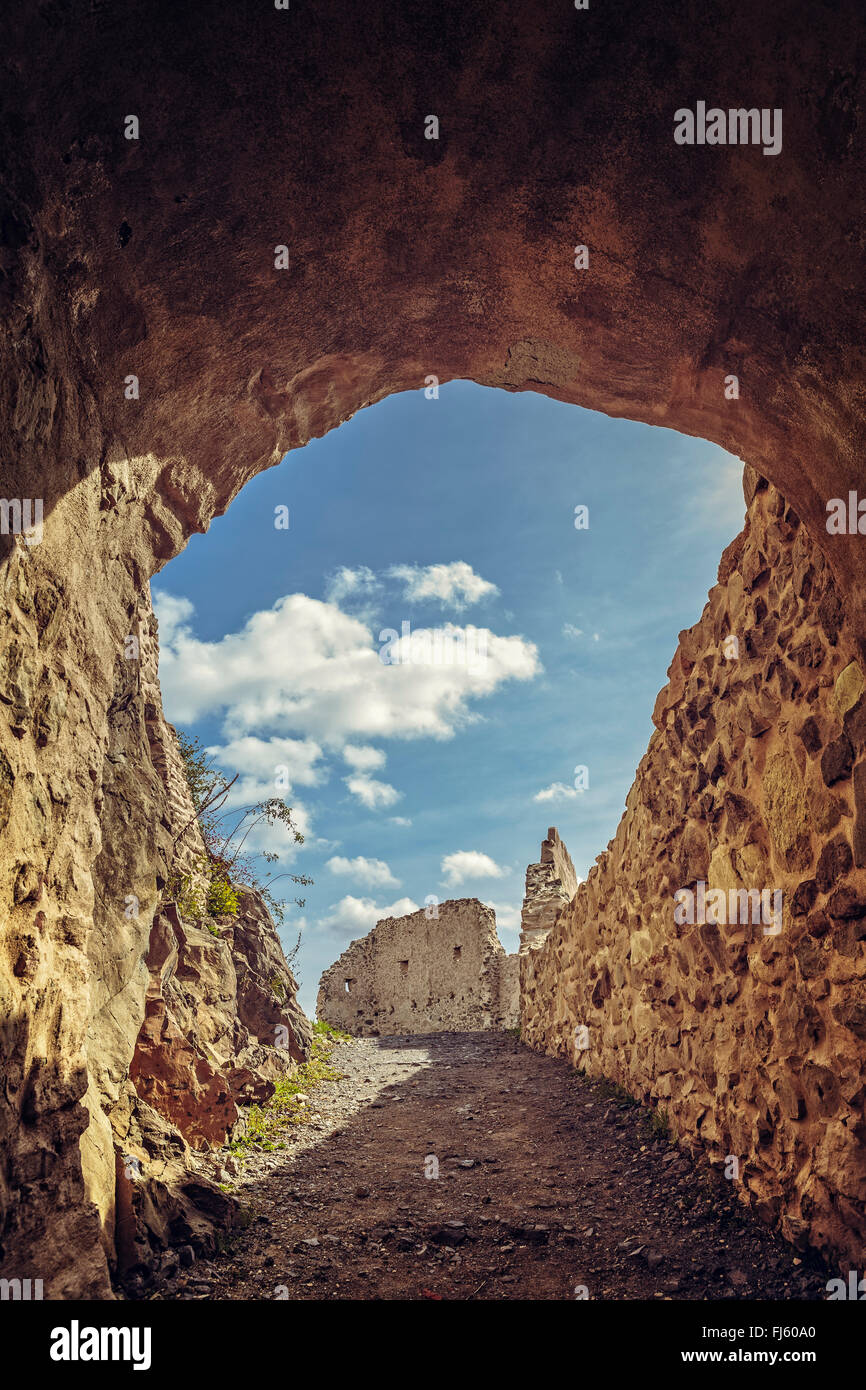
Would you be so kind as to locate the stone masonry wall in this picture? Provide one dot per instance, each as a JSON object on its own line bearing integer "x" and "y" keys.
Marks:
{"x": 753, "y": 1041}
{"x": 550, "y": 886}
{"x": 420, "y": 974}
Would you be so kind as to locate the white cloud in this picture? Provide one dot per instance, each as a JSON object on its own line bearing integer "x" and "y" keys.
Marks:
{"x": 345, "y": 583}
{"x": 400, "y": 820}
{"x": 355, "y": 916}
{"x": 507, "y": 916}
{"x": 305, "y": 666}
{"x": 375, "y": 873}
{"x": 557, "y": 791}
{"x": 467, "y": 864}
{"x": 569, "y": 630}
{"x": 456, "y": 584}
{"x": 372, "y": 794}
{"x": 173, "y": 612}
{"x": 365, "y": 759}
{"x": 269, "y": 766}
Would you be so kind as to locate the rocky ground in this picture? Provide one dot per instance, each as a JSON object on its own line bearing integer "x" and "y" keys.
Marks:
{"x": 549, "y": 1186}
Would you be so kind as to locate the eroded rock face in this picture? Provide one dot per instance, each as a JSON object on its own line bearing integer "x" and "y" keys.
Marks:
{"x": 154, "y": 258}
{"x": 424, "y": 974}
{"x": 181, "y": 1026}
{"x": 221, "y": 1026}
{"x": 745, "y": 1025}
{"x": 221, "y": 1021}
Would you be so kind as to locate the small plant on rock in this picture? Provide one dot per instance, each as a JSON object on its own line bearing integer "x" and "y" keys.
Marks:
{"x": 189, "y": 899}
{"x": 327, "y": 1030}
{"x": 225, "y": 834}
{"x": 222, "y": 900}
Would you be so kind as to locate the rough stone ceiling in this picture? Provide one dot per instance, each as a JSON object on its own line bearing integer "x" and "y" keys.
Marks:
{"x": 305, "y": 127}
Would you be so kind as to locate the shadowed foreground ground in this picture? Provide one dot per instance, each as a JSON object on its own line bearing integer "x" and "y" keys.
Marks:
{"x": 547, "y": 1182}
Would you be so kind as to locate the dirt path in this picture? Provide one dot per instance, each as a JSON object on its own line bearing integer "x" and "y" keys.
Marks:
{"x": 547, "y": 1184}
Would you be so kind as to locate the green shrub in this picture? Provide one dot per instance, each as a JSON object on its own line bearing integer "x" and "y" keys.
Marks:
{"x": 190, "y": 900}
{"x": 225, "y": 833}
{"x": 222, "y": 900}
{"x": 265, "y": 1122}
{"x": 326, "y": 1030}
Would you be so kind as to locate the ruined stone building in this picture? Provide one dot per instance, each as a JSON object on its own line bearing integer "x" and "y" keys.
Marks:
{"x": 424, "y": 974}
{"x": 550, "y": 884}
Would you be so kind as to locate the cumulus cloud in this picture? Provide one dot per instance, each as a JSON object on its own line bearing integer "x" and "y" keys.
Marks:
{"x": 455, "y": 584}
{"x": 346, "y": 583}
{"x": 269, "y": 766}
{"x": 365, "y": 759}
{"x": 173, "y": 612}
{"x": 375, "y": 873}
{"x": 307, "y": 667}
{"x": 507, "y": 916}
{"x": 557, "y": 791}
{"x": 569, "y": 630}
{"x": 355, "y": 916}
{"x": 468, "y": 864}
{"x": 372, "y": 794}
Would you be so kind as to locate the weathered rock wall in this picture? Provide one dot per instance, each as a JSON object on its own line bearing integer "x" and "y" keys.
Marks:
{"x": 187, "y": 848}
{"x": 221, "y": 1026}
{"x": 132, "y": 1023}
{"x": 211, "y": 1037}
{"x": 218, "y": 1025}
{"x": 752, "y": 1039}
{"x": 424, "y": 974}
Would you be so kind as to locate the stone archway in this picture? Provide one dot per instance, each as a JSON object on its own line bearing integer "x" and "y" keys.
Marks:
{"x": 154, "y": 258}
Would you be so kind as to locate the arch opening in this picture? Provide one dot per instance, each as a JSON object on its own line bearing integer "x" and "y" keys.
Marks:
{"x": 407, "y": 257}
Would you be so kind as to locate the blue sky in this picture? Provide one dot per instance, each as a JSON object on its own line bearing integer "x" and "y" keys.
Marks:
{"x": 412, "y": 779}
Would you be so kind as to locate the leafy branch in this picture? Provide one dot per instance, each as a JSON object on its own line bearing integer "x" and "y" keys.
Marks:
{"x": 228, "y": 861}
